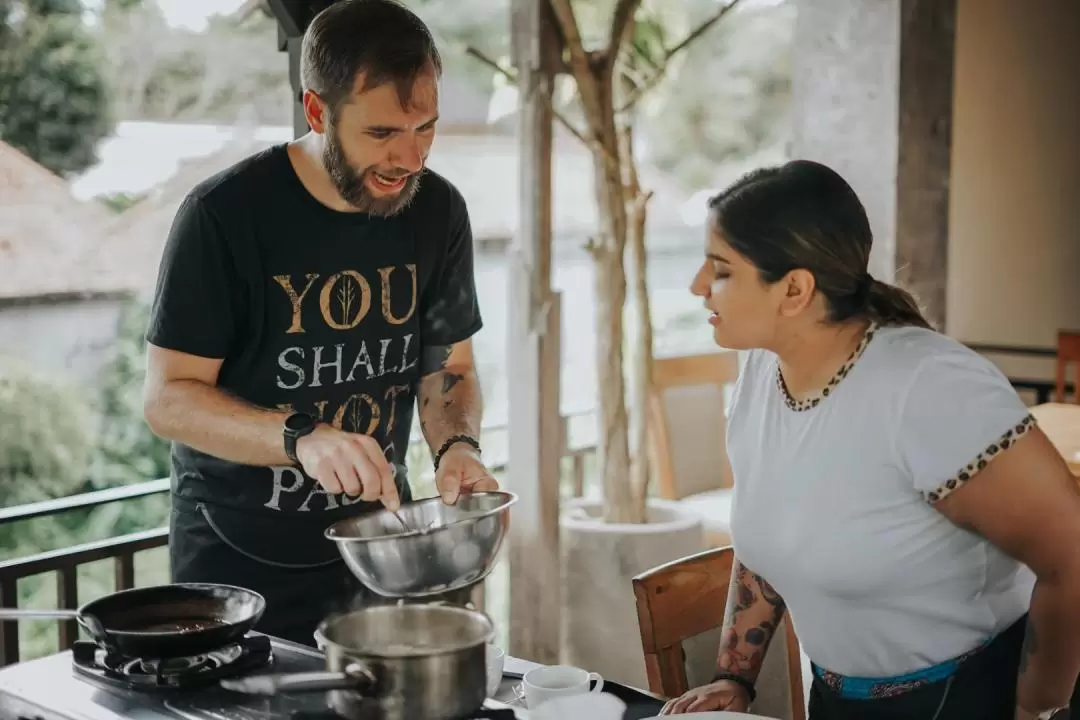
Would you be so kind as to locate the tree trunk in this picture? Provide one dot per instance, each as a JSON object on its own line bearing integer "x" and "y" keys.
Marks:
{"x": 641, "y": 349}
{"x": 610, "y": 287}
{"x": 622, "y": 207}
{"x": 613, "y": 430}
{"x": 642, "y": 355}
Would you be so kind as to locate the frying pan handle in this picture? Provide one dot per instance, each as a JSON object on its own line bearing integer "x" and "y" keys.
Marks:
{"x": 356, "y": 678}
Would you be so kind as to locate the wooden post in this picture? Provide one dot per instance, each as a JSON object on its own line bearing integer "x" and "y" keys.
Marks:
{"x": 535, "y": 438}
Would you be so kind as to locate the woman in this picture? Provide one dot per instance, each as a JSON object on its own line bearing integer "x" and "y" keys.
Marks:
{"x": 891, "y": 490}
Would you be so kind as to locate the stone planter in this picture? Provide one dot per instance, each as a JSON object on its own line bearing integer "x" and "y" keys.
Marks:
{"x": 599, "y": 619}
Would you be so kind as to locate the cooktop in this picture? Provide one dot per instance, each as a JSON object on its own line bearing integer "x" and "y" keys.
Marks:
{"x": 71, "y": 686}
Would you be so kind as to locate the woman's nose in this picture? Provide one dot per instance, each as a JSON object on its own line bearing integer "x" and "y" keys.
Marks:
{"x": 699, "y": 285}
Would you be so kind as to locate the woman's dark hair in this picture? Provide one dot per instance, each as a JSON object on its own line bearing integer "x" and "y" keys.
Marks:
{"x": 803, "y": 215}
{"x": 381, "y": 38}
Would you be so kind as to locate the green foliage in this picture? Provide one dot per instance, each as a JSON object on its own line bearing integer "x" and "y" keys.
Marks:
{"x": 731, "y": 99}
{"x": 127, "y": 451}
{"x": 121, "y": 201}
{"x": 123, "y": 4}
{"x": 460, "y": 23}
{"x": 46, "y": 435}
{"x": 46, "y": 440}
{"x": 649, "y": 41}
{"x": 53, "y": 100}
{"x": 53, "y": 7}
{"x": 231, "y": 72}
{"x": 727, "y": 95}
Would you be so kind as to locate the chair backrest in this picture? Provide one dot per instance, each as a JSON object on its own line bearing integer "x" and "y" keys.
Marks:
{"x": 1068, "y": 351}
{"x": 680, "y": 600}
{"x": 687, "y": 394}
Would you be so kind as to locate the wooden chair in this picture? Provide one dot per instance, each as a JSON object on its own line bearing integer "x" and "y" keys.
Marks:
{"x": 686, "y": 598}
{"x": 1068, "y": 351}
{"x": 687, "y": 429}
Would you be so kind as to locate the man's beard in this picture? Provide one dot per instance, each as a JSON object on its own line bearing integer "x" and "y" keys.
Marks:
{"x": 350, "y": 183}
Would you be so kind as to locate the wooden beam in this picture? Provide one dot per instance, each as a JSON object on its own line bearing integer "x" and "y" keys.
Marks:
{"x": 535, "y": 427}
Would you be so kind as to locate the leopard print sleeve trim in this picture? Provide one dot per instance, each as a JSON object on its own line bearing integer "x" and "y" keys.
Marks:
{"x": 982, "y": 459}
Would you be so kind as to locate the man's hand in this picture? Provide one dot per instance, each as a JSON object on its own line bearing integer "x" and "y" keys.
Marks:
{"x": 350, "y": 463}
{"x": 462, "y": 471}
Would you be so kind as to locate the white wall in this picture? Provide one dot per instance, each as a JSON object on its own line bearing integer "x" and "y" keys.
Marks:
{"x": 1014, "y": 236}
{"x": 74, "y": 338}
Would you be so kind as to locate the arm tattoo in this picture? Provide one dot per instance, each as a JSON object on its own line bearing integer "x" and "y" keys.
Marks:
{"x": 450, "y": 380}
{"x": 754, "y": 611}
{"x": 769, "y": 594}
{"x": 433, "y": 359}
{"x": 449, "y": 398}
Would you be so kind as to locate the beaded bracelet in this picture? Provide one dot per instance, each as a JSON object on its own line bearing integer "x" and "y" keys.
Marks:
{"x": 452, "y": 441}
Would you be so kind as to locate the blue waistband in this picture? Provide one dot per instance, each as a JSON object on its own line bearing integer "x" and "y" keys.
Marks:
{"x": 863, "y": 688}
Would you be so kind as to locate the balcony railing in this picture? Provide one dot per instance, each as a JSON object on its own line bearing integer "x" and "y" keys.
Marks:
{"x": 65, "y": 562}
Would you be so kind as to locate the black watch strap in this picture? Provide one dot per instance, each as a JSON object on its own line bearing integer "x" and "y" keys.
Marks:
{"x": 296, "y": 426}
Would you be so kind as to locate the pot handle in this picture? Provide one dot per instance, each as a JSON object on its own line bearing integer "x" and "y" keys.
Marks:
{"x": 356, "y": 678}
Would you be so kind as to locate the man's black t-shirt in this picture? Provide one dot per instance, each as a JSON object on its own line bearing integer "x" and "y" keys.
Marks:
{"x": 312, "y": 310}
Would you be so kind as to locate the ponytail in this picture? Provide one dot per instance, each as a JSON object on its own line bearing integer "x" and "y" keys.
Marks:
{"x": 890, "y": 305}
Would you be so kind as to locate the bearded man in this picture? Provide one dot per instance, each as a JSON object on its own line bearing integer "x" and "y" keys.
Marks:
{"x": 307, "y": 297}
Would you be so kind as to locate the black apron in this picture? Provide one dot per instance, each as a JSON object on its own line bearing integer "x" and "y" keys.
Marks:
{"x": 298, "y": 597}
{"x": 983, "y": 687}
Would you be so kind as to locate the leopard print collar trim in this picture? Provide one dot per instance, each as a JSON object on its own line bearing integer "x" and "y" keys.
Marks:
{"x": 808, "y": 403}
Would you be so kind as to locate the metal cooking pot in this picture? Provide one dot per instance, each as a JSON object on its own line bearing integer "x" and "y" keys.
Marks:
{"x": 445, "y": 548}
{"x": 392, "y": 662}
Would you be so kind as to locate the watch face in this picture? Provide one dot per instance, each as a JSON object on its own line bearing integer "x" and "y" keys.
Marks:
{"x": 299, "y": 422}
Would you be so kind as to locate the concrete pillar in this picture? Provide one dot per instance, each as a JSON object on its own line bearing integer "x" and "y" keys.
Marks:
{"x": 872, "y": 98}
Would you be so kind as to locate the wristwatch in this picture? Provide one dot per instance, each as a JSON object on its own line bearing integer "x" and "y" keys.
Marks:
{"x": 297, "y": 426}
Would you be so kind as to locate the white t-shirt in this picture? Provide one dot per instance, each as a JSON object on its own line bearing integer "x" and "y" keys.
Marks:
{"x": 832, "y": 502}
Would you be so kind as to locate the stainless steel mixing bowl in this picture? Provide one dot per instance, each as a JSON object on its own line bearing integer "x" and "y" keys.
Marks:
{"x": 448, "y": 547}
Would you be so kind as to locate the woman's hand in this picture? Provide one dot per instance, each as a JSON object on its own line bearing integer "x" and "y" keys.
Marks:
{"x": 720, "y": 695}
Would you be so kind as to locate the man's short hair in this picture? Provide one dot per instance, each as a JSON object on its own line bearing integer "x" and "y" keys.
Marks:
{"x": 380, "y": 38}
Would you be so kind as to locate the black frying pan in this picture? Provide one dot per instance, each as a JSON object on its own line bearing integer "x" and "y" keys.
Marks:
{"x": 165, "y": 620}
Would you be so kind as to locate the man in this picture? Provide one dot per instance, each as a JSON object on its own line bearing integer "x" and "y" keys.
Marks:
{"x": 306, "y": 297}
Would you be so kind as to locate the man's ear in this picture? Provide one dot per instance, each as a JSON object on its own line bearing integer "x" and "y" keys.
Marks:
{"x": 315, "y": 111}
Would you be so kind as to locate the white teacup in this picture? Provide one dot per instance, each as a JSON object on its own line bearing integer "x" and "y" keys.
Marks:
{"x": 552, "y": 681}
{"x": 496, "y": 660}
